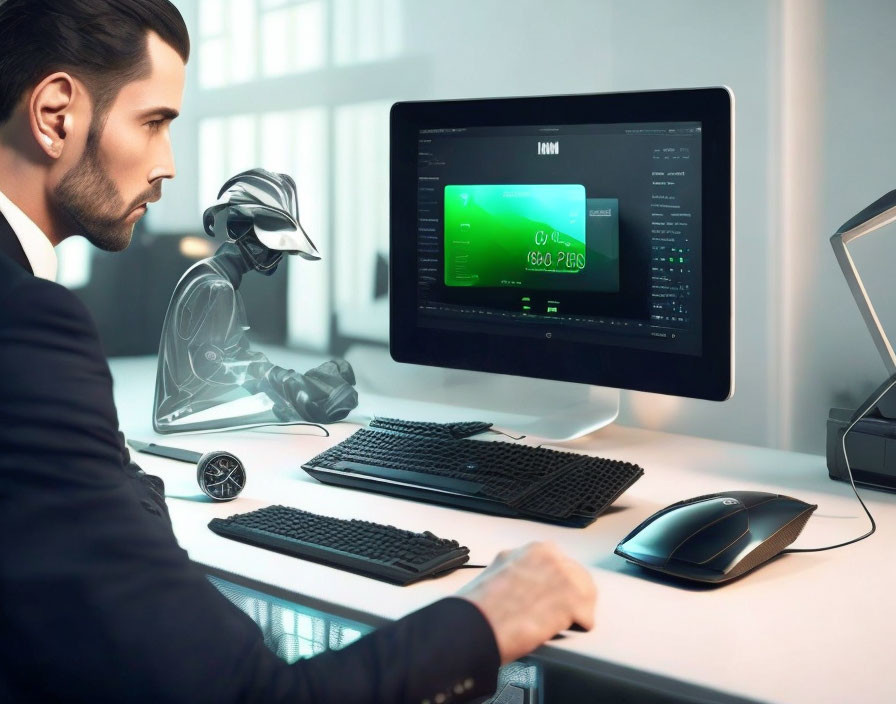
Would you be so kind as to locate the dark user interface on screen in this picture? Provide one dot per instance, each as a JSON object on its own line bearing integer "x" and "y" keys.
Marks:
{"x": 591, "y": 232}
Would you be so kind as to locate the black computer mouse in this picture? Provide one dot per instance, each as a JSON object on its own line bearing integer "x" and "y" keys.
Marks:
{"x": 717, "y": 537}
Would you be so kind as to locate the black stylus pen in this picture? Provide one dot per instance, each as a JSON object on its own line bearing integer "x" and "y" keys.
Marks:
{"x": 172, "y": 453}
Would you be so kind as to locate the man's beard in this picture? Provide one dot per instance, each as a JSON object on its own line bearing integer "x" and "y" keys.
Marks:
{"x": 91, "y": 199}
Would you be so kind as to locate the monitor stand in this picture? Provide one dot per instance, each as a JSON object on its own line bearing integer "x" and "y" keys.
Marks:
{"x": 554, "y": 410}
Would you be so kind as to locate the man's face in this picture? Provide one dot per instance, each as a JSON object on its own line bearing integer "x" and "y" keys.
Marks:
{"x": 126, "y": 158}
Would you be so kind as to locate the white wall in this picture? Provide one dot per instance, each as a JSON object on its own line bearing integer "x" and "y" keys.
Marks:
{"x": 835, "y": 362}
{"x": 815, "y": 109}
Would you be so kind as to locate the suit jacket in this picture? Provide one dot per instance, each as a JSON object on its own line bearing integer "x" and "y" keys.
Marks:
{"x": 97, "y": 600}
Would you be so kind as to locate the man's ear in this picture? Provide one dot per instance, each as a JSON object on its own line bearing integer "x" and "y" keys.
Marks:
{"x": 50, "y": 112}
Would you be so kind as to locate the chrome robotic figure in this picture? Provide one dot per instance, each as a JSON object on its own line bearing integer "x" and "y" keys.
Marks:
{"x": 209, "y": 377}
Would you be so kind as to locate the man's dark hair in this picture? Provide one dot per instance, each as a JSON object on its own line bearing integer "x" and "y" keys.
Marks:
{"x": 101, "y": 42}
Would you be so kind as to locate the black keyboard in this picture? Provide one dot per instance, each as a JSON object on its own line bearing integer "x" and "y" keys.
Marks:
{"x": 493, "y": 477}
{"x": 448, "y": 431}
{"x": 371, "y": 549}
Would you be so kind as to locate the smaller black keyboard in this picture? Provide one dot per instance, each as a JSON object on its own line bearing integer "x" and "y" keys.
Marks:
{"x": 445, "y": 431}
{"x": 371, "y": 549}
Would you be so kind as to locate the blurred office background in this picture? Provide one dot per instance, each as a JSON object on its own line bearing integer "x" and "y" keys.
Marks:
{"x": 305, "y": 87}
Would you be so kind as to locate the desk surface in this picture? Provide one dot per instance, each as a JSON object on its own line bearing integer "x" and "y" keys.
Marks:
{"x": 812, "y": 627}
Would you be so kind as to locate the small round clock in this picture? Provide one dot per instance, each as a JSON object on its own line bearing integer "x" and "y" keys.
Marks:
{"x": 221, "y": 476}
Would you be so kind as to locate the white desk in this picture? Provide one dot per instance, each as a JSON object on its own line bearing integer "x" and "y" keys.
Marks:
{"x": 813, "y": 627}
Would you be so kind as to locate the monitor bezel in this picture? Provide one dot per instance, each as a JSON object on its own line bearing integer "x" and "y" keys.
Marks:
{"x": 709, "y": 375}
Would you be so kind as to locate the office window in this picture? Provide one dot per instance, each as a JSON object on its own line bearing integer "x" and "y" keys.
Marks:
{"x": 361, "y": 217}
{"x": 293, "y": 36}
{"x": 227, "y": 42}
{"x": 227, "y": 146}
{"x": 241, "y": 40}
{"x": 366, "y": 31}
{"x": 323, "y": 143}
{"x": 295, "y": 143}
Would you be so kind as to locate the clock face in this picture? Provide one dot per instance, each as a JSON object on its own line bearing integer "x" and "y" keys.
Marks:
{"x": 221, "y": 475}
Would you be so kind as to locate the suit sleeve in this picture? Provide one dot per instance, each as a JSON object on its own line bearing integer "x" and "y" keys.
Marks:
{"x": 99, "y": 603}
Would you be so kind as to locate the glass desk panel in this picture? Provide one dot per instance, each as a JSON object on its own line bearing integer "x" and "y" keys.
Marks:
{"x": 293, "y": 631}
{"x": 290, "y": 630}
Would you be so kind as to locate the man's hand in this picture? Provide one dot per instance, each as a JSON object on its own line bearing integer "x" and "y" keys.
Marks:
{"x": 530, "y": 594}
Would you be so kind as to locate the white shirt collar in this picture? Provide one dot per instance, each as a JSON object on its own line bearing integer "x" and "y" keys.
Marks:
{"x": 40, "y": 253}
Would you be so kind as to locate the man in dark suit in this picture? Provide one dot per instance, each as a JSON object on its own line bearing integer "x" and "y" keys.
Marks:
{"x": 98, "y": 601}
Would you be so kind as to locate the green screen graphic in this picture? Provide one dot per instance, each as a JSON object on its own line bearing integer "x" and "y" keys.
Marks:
{"x": 514, "y": 235}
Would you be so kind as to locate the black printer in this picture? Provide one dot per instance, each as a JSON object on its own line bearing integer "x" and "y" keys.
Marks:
{"x": 870, "y": 445}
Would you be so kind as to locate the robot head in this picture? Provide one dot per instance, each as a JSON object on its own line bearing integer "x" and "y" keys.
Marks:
{"x": 259, "y": 211}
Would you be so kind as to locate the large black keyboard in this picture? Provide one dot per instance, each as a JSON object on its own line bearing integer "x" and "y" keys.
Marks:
{"x": 372, "y": 549}
{"x": 493, "y": 477}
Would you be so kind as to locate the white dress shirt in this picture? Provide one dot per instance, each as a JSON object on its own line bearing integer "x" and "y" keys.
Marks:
{"x": 40, "y": 253}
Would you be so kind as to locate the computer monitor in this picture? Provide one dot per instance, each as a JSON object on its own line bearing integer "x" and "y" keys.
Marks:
{"x": 578, "y": 238}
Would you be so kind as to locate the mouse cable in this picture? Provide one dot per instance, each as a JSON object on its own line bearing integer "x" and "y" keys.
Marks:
{"x": 852, "y": 483}
{"x": 313, "y": 425}
{"x": 287, "y": 423}
{"x": 254, "y": 426}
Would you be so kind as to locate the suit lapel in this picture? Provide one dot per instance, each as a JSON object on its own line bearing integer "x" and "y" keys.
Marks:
{"x": 11, "y": 247}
